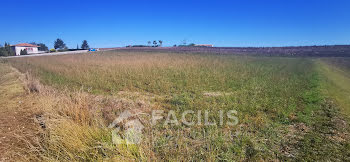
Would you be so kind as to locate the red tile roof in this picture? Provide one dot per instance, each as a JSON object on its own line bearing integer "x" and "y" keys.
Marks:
{"x": 25, "y": 45}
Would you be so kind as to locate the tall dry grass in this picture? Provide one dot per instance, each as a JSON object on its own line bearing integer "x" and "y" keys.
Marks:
{"x": 72, "y": 126}
{"x": 271, "y": 95}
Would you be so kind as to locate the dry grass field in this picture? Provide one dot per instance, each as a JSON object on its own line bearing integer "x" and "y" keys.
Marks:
{"x": 287, "y": 108}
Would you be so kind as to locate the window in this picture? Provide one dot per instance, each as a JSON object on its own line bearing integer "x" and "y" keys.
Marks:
{"x": 29, "y": 49}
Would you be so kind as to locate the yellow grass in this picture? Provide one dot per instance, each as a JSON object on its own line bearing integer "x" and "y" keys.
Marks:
{"x": 336, "y": 85}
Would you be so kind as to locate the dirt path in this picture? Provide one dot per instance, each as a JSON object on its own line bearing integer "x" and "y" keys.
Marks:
{"x": 17, "y": 124}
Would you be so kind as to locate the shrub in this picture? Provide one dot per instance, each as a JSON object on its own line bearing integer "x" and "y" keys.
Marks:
{"x": 52, "y": 50}
{"x": 32, "y": 84}
{"x": 24, "y": 52}
{"x": 63, "y": 50}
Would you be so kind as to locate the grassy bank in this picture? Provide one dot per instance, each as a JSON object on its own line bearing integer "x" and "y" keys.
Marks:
{"x": 281, "y": 109}
{"x": 336, "y": 81}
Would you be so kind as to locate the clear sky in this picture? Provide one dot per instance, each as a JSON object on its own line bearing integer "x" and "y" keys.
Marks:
{"x": 222, "y": 23}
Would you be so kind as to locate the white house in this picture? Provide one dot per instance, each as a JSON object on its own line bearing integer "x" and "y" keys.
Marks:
{"x": 31, "y": 49}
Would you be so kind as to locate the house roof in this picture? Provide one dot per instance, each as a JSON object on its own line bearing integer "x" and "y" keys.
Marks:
{"x": 25, "y": 45}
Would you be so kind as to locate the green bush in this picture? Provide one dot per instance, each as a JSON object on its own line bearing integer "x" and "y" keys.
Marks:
{"x": 6, "y": 50}
{"x": 52, "y": 50}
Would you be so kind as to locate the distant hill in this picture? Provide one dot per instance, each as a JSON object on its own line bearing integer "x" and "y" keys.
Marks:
{"x": 309, "y": 51}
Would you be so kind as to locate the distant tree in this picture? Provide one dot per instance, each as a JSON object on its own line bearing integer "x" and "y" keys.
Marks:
{"x": 160, "y": 43}
{"x": 77, "y": 46}
{"x": 24, "y": 52}
{"x": 155, "y": 43}
{"x": 2, "y": 51}
{"x": 174, "y": 45}
{"x": 7, "y": 50}
{"x": 59, "y": 44}
{"x": 42, "y": 47}
{"x": 85, "y": 45}
{"x": 191, "y": 44}
{"x": 149, "y": 43}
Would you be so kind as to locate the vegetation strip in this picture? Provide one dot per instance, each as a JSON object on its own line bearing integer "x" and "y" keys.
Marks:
{"x": 282, "y": 109}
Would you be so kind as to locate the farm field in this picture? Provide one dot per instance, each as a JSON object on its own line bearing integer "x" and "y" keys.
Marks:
{"x": 300, "y": 51}
{"x": 287, "y": 108}
{"x": 336, "y": 83}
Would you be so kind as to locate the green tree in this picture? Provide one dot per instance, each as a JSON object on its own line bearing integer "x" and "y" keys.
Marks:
{"x": 160, "y": 43}
{"x": 42, "y": 47}
{"x": 155, "y": 43}
{"x": 59, "y": 44}
{"x": 85, "y": 45}
{"x": 7, "y": 50}
{"x": 2, "y": 52}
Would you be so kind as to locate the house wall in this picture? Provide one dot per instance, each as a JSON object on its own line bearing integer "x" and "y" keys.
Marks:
{"x": 30, "y": 50}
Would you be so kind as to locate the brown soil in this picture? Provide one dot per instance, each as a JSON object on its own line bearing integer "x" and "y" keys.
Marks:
{"x": 17, "y": 117}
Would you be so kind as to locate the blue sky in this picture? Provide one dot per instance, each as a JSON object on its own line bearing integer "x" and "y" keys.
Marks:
{"x": 222, "y": 23}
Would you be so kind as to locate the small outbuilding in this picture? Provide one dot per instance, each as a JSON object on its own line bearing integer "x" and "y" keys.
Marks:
{"x": 30, "y": 48}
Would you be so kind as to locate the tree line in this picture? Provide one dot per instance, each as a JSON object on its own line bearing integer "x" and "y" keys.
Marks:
{"x": 60, "y": 45}
{"x": 155, "y": 43}
{"x": 149, "y": 44}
